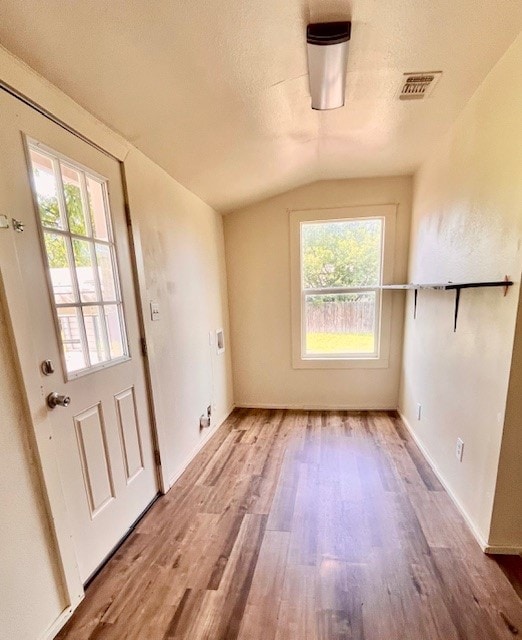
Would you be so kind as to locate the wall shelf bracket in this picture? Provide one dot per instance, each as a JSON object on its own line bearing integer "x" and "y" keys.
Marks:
{"x": 447, "y": 286}
{"x": 456, "y": 314}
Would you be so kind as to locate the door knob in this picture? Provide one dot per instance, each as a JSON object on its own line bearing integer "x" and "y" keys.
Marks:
{"x": 55, "y": 399}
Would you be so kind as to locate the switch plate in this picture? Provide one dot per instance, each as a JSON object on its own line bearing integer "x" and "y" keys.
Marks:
{"x": 4, "y": 222}
{"x": 419, "y": 411}
{"x": 459, "y": 449}
{"x": 154, "y": 311}
{"x": 220, "y": 341}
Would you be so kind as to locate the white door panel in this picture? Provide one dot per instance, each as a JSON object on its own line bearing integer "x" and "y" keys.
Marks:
{"x": 102, "y": 440}
{"x": 128, "y": 423}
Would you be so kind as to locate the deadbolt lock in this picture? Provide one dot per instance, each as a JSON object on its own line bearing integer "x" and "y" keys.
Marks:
{"x": 47, "y": 367}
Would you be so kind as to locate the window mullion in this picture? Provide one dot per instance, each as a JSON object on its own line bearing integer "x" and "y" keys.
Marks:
{"x": 94, "y": 262}
{"x": 76, "y": 287}
{"x": 339, "y": 290}
{"x": 72, "y": 263}
{"x": 60, "y": 194}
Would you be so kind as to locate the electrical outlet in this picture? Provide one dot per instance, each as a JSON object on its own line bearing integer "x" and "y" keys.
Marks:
{"x": 419, "y": 411}
{"x": 459, "y": 449}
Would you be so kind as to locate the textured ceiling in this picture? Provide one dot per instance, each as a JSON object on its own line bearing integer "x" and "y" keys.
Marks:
{"x": 216, "y": 92}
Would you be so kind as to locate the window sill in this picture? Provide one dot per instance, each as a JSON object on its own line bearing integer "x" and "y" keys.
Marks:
{"x": 340, "y": 363}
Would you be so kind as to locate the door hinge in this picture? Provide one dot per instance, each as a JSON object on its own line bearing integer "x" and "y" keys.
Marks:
{"x": 143, "y": 347}
{"x": 157, "y": 458}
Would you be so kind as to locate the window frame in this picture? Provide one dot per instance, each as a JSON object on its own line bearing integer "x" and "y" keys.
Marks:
{"x": 380, "y": 358}
{"x": 57, "y": 159}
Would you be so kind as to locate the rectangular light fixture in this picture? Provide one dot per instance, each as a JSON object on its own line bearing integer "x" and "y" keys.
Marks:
{"x": 327, "y": 45}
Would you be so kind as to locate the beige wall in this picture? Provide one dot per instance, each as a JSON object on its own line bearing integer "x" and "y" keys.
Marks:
{"x": 467, "y": 225}
{"x": 258, "y": 266}
{"x": 182, "y": 267}
{"x": 30, "y": 598}
{"x": 182, "y": 247}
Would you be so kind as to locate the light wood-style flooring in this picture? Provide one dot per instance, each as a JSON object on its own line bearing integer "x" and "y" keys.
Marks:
{"x": 295, "y": 525}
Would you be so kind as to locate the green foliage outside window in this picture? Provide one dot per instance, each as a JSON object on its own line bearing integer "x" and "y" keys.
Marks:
{"x": 50, "y": 215}
{"x": 341, "y": 254}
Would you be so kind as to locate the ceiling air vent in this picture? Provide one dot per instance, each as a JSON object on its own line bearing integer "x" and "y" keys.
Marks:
{"x": 417, "y": 86}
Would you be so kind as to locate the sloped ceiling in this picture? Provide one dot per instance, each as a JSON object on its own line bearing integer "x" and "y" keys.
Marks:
{"x": 216, "y": 92}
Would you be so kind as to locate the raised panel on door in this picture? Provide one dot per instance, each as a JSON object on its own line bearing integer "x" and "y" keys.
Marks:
{"x": 129, "y": 433}
{"x": 94, "y": 456}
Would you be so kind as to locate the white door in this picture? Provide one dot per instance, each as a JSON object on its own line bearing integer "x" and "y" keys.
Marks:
{"x": 79, "y": 293}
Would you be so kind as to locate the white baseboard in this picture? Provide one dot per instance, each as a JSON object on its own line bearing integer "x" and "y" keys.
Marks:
{"x": 313, "y": 407}
{"x": 469, "y": 521}
{"x": 60, "y": 621}
{"x": 179, "y": 472}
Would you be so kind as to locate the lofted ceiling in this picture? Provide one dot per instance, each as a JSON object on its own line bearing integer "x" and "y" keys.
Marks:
{"x": 216, "y": 92}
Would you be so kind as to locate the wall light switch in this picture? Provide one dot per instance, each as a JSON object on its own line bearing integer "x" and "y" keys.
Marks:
{"x": 154, "y": 311}
{"x": 220, "y": 341}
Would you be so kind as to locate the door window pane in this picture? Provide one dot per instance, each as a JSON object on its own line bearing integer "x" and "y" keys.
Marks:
{"x": 114, "y": 329}
{"x": 83, "y": 272}
{"x": 58, "y": 261}
{"x": 96, "y": 194}
{"x": 72, "y": 192}
{"x": 105, "y": 270}
{"x": 340, "y": 324}
{"x": 70, "y": 331}
{"x": 44, "y": 181}
{"x": 94, "y": 330}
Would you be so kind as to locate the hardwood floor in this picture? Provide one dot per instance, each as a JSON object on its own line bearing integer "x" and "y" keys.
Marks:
{"x": 302, "y": 526}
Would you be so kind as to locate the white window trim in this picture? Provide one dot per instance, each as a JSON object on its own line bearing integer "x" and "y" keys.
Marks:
{"x": 56, "y": 156}
{"x": 388, "y": 213}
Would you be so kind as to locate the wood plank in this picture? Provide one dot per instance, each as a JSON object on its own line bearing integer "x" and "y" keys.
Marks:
{"x": 262, "y": 611}
{"x": 512, "y": 568}
{"x": 303, "y": 525}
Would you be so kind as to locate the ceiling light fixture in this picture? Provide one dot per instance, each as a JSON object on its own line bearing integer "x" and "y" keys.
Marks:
{"x": 327, "y": 44}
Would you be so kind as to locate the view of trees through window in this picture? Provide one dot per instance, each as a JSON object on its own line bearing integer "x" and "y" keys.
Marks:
{"x": 50, "y": 215}
{"x": 337, "y": 256}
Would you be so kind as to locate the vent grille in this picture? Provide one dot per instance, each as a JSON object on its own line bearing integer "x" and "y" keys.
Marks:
{"x": 416, "y": 86}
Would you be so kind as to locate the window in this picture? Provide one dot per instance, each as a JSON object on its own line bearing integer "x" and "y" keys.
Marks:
{"x": 339, "y": 260}
{"x": 76, "y": 231}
